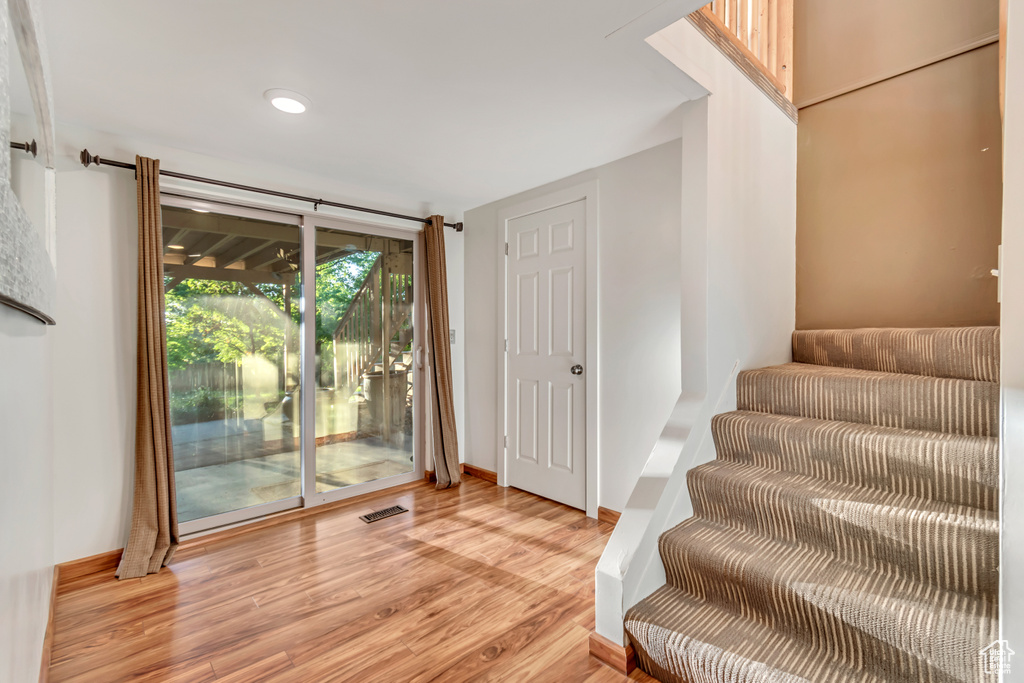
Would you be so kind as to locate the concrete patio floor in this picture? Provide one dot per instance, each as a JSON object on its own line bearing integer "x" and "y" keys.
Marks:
{"x": 206, "y": 491}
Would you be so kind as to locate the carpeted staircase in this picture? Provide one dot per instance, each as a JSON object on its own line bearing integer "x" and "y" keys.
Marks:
{"x": 848, "y": 530}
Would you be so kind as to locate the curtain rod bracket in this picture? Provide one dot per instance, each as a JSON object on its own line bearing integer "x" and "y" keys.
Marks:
{"x": 317, "y": 203}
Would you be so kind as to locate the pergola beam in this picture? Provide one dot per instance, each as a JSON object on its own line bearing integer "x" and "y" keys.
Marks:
{"x": 210, "y": 244}
{"x": 245, "y": 277}
{"x": 241, "y": 252}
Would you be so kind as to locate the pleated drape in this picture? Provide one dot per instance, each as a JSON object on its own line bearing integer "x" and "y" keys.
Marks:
{"x": 154, "y": 532}
{"x": 442, "y": 411}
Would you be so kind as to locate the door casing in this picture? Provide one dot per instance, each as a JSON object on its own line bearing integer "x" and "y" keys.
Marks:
{"x": 588, "y": 192}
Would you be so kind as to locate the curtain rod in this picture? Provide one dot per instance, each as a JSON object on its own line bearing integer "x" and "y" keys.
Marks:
{"x": 88, "y": 159}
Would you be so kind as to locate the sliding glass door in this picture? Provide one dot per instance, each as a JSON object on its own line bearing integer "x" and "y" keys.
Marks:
{"x": 273, "y": 408}
{"x": 364, "y": 358}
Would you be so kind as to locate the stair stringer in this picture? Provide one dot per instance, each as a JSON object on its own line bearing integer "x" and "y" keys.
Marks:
{"x": 631, "y": 568}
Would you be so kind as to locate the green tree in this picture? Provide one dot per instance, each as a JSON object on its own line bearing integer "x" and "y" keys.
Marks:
{"x": 211, "y": 321}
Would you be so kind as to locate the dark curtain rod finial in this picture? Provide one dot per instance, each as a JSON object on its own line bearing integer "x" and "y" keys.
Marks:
{"x": 29, "y": 147}
{"x": 88, "y": 159}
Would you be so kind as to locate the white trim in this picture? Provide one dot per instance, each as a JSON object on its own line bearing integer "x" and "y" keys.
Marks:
{"x": 222, "y": 206}
{"x": 588, "y": 192}
{"x": 307, "y": 359}
{"x": 353, "y": 490}
{"x": 234, "y": 517}
{"x": 362, "y": 227}
{"x": 26, "y": 29}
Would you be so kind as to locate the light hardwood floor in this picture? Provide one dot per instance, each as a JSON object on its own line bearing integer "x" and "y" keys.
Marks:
{"x": 474, "y": 583}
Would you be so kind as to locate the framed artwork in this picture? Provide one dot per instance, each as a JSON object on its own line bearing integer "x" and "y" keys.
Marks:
{"x": 27, "y": 175}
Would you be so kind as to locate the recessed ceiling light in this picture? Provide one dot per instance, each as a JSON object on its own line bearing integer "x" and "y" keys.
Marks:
{"x": 287, "y": 101}
{"x": 175, "y": 246}
{"x": 201, "y": 210}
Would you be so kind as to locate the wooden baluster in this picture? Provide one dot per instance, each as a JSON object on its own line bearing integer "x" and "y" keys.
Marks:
{"x": 785, "y": 33}
{"x": 742, "y": 16}
{"x": 731, "y": 15}
{"x": 718, "y": 8}
{"x": 761, "y": 26}
{"x": 772, "y": 58}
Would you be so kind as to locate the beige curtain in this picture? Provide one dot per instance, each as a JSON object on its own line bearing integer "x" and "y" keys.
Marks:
{"x": 442, "y": 411}
{"x": 154, "y": 533}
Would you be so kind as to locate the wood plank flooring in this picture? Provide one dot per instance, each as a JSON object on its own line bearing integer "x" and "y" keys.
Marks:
{"x": 475, "y": 583}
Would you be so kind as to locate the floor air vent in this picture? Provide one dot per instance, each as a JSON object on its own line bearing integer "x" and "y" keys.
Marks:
{"x": 381, "y": 514}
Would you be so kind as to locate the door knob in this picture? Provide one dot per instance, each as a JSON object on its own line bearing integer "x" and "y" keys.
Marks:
{"x": 577, "y": 369}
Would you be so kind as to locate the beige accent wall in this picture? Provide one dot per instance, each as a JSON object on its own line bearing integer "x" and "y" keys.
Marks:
{"x": 839, "y": 44}
{"x": 899, "y": 184}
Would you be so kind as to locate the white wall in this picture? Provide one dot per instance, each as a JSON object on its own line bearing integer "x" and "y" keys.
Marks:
{"x": 738, "y": 296}
{"x": 26, "y": 491}
{"x": 1011, "y": 607}
{"x": 94, "y": 350}
{"x": 94, "y": 360}
{"x": 26, "y": 456}
{"x": 639, "y": 219}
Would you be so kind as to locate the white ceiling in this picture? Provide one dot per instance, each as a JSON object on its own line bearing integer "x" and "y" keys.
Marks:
{"x": 446, "y": 102}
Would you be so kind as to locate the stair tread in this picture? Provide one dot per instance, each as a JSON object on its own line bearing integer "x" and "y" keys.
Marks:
{"x": 679, "y": 639}
{"x": 953, "y": 468}
{"x": 868, "y": 615}
{"x": 885, "y": 399}
{"x": 954, "y": 352}
{"x": 848, "y": 530}
{"x": 955, "y": 547}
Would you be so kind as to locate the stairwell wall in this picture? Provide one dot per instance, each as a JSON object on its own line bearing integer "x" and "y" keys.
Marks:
{"x": 899, "y": 197}
{"x": 737, "y": 302}
{"x": 1011, "y": 603}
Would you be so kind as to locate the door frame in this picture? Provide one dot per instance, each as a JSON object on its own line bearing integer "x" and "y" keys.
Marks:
{"x": 307, "y": 223}
{"x": 310, "y": 496}
{"x": 587, "y": 192}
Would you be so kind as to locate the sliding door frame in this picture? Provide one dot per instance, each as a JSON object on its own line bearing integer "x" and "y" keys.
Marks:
{"x": 308, "y": 224}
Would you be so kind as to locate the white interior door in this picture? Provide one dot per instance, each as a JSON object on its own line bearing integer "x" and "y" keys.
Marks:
{"x": 546, "y": 383}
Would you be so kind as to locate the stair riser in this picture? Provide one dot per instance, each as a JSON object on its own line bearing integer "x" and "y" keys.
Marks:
{"x": 671, "y": 656}
{"x": 959, "y": 470}
{"x": 949, "y": 552}
{"x": 714, "y": 567}
{"x": 962, "y": 353}
{"x": 906, "y": 402}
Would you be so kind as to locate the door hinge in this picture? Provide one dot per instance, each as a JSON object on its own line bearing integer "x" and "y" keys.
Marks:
{"x": 506, "y": 248}
{"x": 506, "y": 441}
{"x": 506, "y": 346}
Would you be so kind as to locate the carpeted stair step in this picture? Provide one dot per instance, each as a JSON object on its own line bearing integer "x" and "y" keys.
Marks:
{"x": 951, "y": 547}
{"x": 955, "y": 406}
{"x": 857, "y": 614}
{"x": 951, "y": 468}
{"x": 681, "y": 639}
{"x": 954, "y": 352}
